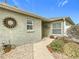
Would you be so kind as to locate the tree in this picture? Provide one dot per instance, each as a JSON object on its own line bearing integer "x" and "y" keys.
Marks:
{"x": 73, "y": 32}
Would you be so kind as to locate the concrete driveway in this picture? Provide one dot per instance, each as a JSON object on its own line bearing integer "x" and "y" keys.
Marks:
{"x": 40, "y": 51}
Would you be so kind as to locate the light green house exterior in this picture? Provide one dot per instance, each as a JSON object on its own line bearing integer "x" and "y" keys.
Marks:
{"x": 57, "y": 26}
{"x": 40, "y": 27}
{"x": 19, "y": 35}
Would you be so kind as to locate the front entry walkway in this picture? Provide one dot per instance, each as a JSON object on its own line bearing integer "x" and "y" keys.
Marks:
{"x": 40, "y": 50}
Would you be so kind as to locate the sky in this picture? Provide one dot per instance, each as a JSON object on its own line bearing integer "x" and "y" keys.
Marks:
{"x": 49, "y": 8}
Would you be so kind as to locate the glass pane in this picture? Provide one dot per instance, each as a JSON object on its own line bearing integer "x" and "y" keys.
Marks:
{"x": 29, "y": 22}
{"x": 56, "y": 31}
{"x": 29, "y": 27}
{"x": 57, "y": 25}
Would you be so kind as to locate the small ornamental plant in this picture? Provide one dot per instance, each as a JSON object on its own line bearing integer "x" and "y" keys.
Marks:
{"x": 7, "y": 48}
{"x": 57, "y": 45}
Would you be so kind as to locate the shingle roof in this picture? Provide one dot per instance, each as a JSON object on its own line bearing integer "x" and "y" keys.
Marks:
{"x": 17, "y": 10}
{"x": 67, "y": 18}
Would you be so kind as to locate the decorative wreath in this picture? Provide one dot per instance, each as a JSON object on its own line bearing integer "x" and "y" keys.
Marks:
{"x": 9, "y": 22}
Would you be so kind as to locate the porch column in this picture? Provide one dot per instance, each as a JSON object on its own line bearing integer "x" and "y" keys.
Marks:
{"x": 64, "y": 26}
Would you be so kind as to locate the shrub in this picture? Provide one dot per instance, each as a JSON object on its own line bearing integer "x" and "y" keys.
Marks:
{"x": 73, "y": 32}
{"x": 57, "y": 45}
{"x": 7, "y": 48}
{"x": 71, "y": 49}
{"x": 52, "y": 37}
{"x": 64, "y": 38}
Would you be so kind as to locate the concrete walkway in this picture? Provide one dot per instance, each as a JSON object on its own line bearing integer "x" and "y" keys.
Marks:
{"x": 40, "y": 50}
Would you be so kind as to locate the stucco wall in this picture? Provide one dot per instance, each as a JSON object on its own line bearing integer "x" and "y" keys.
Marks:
{"x": 19, "y": 35}
{"x": 67, "y": 25}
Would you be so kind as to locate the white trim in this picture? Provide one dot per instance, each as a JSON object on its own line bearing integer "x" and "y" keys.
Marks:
{"x": 56, "y": 28}
{"x": 64, "y": 26}
{"x": 30, "y": 31}
{"x": 30, "y": 24}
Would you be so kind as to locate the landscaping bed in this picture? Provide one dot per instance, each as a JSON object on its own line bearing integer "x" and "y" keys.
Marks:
{"x": 64, "y": 48}
{"x": 20, "y": 52}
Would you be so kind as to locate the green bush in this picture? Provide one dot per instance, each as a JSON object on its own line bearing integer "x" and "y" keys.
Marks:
{"x": 71, "y": 49}
{"x": 57, "y": 45}
{"x": 64, "y": 38}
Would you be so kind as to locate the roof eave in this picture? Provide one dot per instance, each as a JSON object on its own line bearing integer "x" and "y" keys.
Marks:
{"x": 20, "y": 11}
{"x": 69, "y": 19}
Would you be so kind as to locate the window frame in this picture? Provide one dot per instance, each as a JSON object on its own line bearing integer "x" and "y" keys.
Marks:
{"x": 57, "y": 28}
{"x": 30, "y": 29}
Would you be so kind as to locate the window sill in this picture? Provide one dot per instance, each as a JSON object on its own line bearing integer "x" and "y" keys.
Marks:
{"x": 30, "y": 31}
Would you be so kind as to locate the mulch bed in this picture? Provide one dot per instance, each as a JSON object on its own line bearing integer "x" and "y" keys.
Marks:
{"x": 59, "y": 55}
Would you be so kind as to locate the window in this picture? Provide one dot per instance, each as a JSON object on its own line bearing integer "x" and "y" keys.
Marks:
{"x": 56, "y": 31}
{"x": 29, "y": 25}
{"x": 56, "y": 28}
